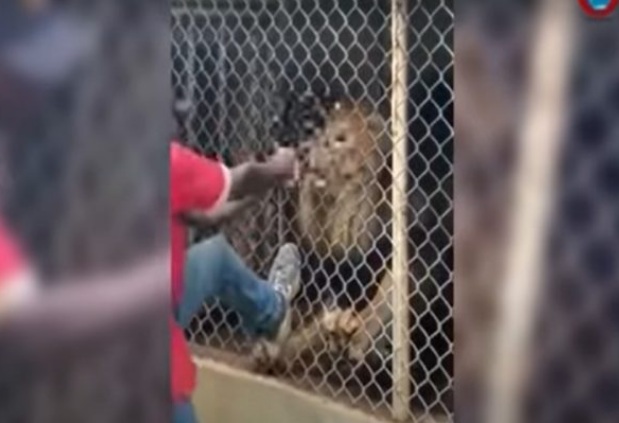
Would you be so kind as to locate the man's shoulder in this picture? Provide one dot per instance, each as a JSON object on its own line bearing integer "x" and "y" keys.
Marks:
{"x": 197, "y": 182}
{"x": 178, "y": 150}
{"x": 181, "y": 155}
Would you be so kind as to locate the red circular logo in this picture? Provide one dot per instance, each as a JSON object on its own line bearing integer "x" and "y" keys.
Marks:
{"x": 598, "y": 9}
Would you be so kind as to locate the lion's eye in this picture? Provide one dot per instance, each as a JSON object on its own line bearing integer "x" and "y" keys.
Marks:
{"x": 340, "y": 138}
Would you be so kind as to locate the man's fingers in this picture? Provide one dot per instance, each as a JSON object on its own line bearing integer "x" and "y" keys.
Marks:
{"x": 297, "y": 171}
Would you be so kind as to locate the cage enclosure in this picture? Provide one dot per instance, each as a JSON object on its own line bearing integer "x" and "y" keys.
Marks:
{"x": 370, "y": 83}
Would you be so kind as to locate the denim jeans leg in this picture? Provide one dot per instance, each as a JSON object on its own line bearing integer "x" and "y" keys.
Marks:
{"x": 183, "y": 412}
{"x": 213, "y": 270}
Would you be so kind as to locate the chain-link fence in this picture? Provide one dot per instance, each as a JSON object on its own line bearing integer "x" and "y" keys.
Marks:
{"x": 84, "y": 126}
{"x": 576, "y": 370}
{"x": 493, "y": 40}
{"x": 571, "y": 365}
{"x": 373, "y": 324}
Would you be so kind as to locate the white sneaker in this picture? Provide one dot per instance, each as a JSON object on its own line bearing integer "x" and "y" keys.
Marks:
{"x": 285, "y": 277}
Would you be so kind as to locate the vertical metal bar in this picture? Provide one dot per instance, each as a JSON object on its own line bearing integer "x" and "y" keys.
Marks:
{"x": 190, "y": 95}
{"x": 540, "y": 142}
{"x": 191, "y": 84}
{"x": 399, "y": 131}
{"x": 222, "y": 104}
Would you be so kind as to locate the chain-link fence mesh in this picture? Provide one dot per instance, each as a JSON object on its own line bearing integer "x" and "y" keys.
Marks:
{"x": 85, "y": 121}
{"x": 573, "y": 374}
{"x": 247, "y": 66}
{"x": 576, "y": 371}
{"x": 493, "y": 40}
{"x": 235, "y": 60}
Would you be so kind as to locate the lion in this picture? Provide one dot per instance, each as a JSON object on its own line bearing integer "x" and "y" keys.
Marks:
{"x": 342, "y": 220}
{"x": 342, "y": 223}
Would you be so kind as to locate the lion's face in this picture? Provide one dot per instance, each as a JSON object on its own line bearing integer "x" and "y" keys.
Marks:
{"x": 339, "y": 152}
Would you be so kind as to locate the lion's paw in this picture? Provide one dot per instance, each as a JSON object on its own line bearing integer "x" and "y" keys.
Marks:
{"x": 265, "y": 356}
{"x": 340, "y": 325}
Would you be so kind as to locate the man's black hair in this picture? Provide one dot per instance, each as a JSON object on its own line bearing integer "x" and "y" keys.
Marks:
{"x": 181, "y": 110}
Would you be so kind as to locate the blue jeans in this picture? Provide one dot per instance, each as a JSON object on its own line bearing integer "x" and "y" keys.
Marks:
{"x": 213, "y": 271}
{"x": 183, "y": 412}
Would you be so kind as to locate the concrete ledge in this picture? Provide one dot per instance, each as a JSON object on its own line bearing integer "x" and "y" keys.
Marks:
{"x": 228, "y": 395}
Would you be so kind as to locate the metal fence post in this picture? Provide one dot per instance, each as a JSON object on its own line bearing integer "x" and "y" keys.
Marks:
{"x": 540, "y": 146}
{"x": 399, "y": 129}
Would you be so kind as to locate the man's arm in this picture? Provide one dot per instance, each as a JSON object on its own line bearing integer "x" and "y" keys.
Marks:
{"x": 78, "y": 310}
{"x": 198, "y": 183}
{"x": 256, "y": 179}
{"x": 213, "y": 219}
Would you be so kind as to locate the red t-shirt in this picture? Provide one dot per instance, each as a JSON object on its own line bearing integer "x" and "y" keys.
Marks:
{"x": 17, "y": 281}
{"x": 195, "y": 183}
{"x": 11, "y": 258}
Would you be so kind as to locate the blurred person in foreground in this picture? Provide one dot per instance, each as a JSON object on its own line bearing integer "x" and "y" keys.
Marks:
{"x": 206, "y": 192}
{"x": 18, "y": 281}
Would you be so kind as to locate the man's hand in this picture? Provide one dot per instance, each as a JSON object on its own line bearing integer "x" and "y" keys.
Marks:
{"x": 255, "y": 179}
{"x": 284, "y": 163}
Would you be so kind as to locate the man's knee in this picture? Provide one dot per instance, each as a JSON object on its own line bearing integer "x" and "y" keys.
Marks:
{"x": 213, "y": 247}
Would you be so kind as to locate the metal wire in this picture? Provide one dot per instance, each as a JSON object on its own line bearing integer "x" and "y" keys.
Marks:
{"x": 574, "y": 374}
{"x": 238, "y": 62}
{"x": 571, "y": 373}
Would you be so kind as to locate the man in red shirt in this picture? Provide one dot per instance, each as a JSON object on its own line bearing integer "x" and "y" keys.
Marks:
{"x": 211, "y": 269}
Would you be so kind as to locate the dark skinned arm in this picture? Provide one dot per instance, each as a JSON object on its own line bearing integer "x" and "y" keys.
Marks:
{"x": 254, "y": 179}
{"x": 209, "y": 220}
{"x": 250, "y": 181}
{"x": 257, "y": 178}
{"x": 74, "y": 311}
